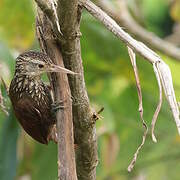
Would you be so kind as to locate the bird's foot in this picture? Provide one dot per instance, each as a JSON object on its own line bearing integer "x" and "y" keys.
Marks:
{"x": 53, "y": 135}
{"x": 57, "y": 106}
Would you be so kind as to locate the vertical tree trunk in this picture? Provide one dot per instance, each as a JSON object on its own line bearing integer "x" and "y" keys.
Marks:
{"x": 69, "y": 14}
{"x": 66, "y": 158}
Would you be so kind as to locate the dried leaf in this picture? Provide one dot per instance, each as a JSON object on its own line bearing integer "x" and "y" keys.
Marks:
{"x": 159, "y": 104}
{"x": 133, "y": 61}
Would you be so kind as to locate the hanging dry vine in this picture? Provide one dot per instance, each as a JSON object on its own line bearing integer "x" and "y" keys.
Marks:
{"x": 162, "y": 71}
{"x": 132, "y": 56}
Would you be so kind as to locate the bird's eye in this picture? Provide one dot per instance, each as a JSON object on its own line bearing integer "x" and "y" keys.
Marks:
{"x": 40, "y": 66}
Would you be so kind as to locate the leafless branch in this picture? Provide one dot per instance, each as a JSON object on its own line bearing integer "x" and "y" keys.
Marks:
{"x": 60, "y": 85}
{"x": 143, "y": 50}
{"x": 112, "y": 26}
{"x": 174, "y": 37}
{"x": 48, "y": 7}
{"x": 162, "y": 71}
{"x": 133, "y": 62}
{"x": 122, "y": 16}
{"x": 155, "y": 116}
{"x": 84, "y": 130}
{"x": 166, "y": 80}
{"x": 69, "y": 14}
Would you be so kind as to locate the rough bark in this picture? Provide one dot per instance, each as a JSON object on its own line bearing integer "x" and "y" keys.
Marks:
{"x": 122, "y": 16}
{"x": 83, "y": 118}
{"x": 66, "y": 155}
{"x": 84, "y": 128}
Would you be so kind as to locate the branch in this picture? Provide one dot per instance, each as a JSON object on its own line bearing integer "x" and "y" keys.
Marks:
{"x": 85, "y": 137}
{"x": 158, "y": 108}
{"x": 133, "y": 62}
{"x": 48, "y": 8}
{"x": 45, "y": 6}
{"x": 163, "y": 70}
{"x": 174, "y": 37}
{"x": 122, "y": 16}
{"x": 84, "y": 128}
{"x": 112, "y": 26}
{"x": 69, "y": 15}
{"x": 66, "y": 155}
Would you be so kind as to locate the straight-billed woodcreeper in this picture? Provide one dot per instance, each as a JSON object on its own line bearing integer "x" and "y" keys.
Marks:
{"x": 31, "y": 98}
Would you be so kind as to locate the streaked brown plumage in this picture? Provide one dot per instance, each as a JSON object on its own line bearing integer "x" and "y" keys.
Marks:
{"x": 31, "y": 98}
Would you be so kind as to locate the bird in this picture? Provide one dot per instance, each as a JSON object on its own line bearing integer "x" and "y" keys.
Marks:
{"x": 31, "y": 98}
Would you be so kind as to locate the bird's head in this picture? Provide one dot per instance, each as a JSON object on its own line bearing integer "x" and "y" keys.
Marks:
{"x": 35, "y": 63}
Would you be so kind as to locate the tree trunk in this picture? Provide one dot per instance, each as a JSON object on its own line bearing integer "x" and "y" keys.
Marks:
{"x": 68, "y": 45}
{"x": 59, "y": 82}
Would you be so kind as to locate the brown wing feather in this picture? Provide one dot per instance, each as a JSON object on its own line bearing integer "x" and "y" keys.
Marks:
{"x": 32, "y": 120}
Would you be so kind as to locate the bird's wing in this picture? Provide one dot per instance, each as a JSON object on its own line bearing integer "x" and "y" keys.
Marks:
{"x": 31, "y": 119}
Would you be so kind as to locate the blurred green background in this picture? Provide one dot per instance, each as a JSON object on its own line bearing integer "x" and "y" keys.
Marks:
{"x": 110, "y": 84}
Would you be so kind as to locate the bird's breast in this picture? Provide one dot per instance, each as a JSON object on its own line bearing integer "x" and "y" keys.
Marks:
{"x": 25, "y": 87}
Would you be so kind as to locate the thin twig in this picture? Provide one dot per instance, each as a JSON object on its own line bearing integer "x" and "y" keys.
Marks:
{"x": 121, "y": 14}
{"x": 139, "y": 47}
{"x": 112, "y": 26}
{"x": 133, "y": 61}
{"x": 48, "y": 7}
{"x": 56, "y": 16}
{"x": 166, "y": 80}
{"x": 156, "y": 113}
{"x": 143, "y": 50}
{"x": 2, "y": 106}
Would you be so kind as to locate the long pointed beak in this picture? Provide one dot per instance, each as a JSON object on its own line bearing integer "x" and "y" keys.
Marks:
{"x": 55, "y": 68}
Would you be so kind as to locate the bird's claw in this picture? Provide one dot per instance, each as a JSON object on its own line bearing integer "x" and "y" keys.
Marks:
{"x": 57, "y": 106}
{"x": 53, "y": 136}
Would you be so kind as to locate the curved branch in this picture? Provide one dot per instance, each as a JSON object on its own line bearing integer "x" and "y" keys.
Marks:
{"x": 69, "y": 15}
{"x": 112, "y": 26}
{"x": 164, "y": 73}
{"x": 122, "y": 16}
{"x": 48, "y": 8}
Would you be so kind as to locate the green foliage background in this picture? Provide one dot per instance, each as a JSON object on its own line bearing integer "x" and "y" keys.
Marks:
{"x": 110, "y": 84}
